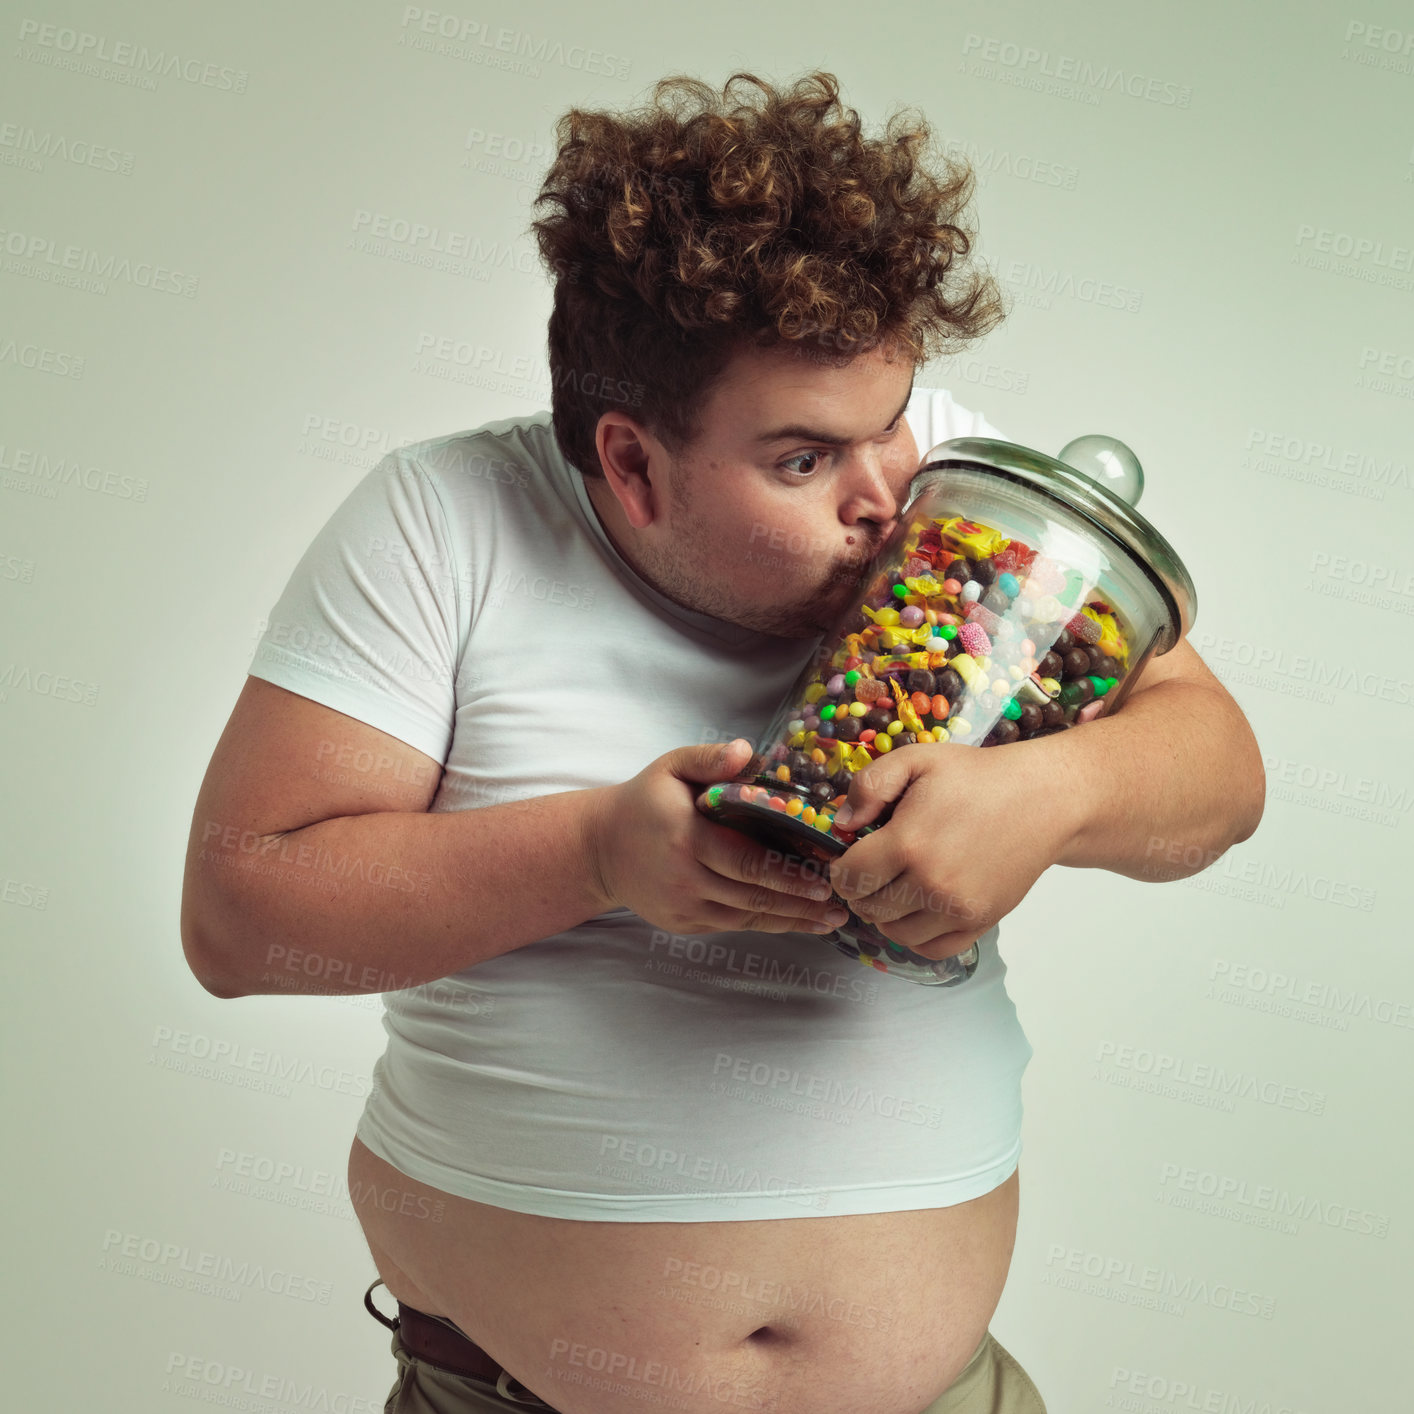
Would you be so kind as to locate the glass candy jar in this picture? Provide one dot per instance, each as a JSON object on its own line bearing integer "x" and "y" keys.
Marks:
{"x": 1019, "y": 595}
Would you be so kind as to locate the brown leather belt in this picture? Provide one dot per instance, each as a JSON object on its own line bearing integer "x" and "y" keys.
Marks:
{"x": 429, "y": 1339}
{"x": 440, "y": 1343}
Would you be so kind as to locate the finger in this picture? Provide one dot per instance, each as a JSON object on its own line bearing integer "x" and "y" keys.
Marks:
{"x": 882, "y": 781}
{"x": 866, "y": 868}
{"x": 939, "y": 920}
{"x": 748, "y": 907}
{"x": 935, "y": 949}
{"x": 733, "y": 855}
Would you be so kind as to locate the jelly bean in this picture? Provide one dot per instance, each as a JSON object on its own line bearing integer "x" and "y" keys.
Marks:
{"x": 972, "y": 591}
{"x": 852, "y": 676}
{"x": 794, "y": 807}
{"x": 1012, "y": 709}
{"x": 911, "y": 617}
{"x": 815, "y": 692}
{"x": 883, "y": 741}
{"x": 952, "y": 586}
{"x": 867, "y": 736}
{"x": 826, "y": 713}
{"x": 936, "y": 645}
{"x": 858, "y": 709}
{"x": 939, "y": 707}
{"x": 782, "y": 773}
{"x": 775, "y": 802}
{"x": 894, "y": 728}
{"x": 807, "y": 816}
{"x": 922, "y": 703}
{"x": 835, "y": 686}
{"x": 818, "y": 757}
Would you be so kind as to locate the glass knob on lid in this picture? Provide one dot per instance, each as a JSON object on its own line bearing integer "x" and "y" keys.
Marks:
{"x": 1108, "y": 463}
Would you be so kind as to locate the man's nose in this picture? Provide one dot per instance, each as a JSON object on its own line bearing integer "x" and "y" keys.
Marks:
{"x": 878, "y": 493}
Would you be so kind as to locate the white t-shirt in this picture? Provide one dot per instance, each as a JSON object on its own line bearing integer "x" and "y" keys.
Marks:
{"x": 465, "y": 599}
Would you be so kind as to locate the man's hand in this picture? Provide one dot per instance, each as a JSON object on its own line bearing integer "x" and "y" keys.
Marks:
{"x": 653, "y": 851}
{"x": 969, "y": 836}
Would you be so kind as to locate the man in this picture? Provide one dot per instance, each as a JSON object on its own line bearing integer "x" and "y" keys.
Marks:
{"x": 637, "y": 1134}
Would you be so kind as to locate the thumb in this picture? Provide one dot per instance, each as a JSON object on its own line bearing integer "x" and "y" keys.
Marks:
{"x": 710, "y": 763}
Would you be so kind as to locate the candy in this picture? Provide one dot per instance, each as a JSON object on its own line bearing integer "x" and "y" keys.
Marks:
{"x": 978, "y": 639}
{"x": 966, "y": 668}
{"x": 1084, "y": 627}
{"x": 975, "y": 641}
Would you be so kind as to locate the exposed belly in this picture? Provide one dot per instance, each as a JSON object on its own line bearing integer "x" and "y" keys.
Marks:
{"x": 874, "y": 1313}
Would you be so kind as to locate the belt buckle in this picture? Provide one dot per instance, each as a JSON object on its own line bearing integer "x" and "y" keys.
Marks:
{"x": 503, "y": 1382}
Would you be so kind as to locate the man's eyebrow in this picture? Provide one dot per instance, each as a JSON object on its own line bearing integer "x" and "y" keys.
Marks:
{"x": 812, "y": 434}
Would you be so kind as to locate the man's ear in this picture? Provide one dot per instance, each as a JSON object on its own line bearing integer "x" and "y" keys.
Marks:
{"x": 626, "y": 453}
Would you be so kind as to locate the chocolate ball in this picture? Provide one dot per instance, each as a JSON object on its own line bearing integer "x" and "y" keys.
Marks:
{"x": 1077, "y": 663}
{"x": 1052, "y": 714}
{"x": 1005, "y": 732}
{"x": 823, "y": 790}
{"x": 1065, "y": 640}
{"x": 847, "y": 728}
{"x": 984, "y": 572}
{"x": 1030, "y": 719}
{"x": 959, "y": 570}
{"x": 950, "y": 684}
{"x": 1096, "y": 658}
{"x": 997, "y": 600}
{"x": 920, "y": 680}
{"x": 1107, "y": 667}
{"x": 1051, "y": 665}
{"x": 877, "y": 718}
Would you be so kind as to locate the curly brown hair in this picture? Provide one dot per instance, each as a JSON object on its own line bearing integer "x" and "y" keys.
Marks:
{"x": 700, "y": 225}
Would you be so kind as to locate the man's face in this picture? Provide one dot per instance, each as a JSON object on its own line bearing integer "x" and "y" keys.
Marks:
{"x": 768, "y": 518}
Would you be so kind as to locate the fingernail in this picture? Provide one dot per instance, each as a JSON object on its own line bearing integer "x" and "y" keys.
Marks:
{"x": 843, "y": 816}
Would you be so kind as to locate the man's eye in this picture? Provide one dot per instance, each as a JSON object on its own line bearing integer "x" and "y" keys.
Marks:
{"x": 789, "y": 465}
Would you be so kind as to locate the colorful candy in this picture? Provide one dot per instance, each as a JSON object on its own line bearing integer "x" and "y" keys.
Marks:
{"x": 979, "y": 639}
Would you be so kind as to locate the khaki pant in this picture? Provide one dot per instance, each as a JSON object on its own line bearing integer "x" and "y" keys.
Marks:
{"x": 990, "y": 1383}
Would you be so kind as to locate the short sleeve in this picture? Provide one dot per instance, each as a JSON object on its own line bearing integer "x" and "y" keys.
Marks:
{"x": 368, "y": 621}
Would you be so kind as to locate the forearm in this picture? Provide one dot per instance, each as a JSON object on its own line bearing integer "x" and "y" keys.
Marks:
{"x": 1159, "y": 790}
{"x": 389, "y": 900}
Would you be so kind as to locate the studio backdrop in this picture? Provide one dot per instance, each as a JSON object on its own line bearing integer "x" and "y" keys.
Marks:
{"x": 247, "y": 250}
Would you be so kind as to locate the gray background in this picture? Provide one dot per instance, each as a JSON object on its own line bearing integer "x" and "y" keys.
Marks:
{"x": 1206, "y": 233}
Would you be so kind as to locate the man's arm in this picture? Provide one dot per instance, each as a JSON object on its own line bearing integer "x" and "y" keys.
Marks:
{"x": 1170, "y": 782}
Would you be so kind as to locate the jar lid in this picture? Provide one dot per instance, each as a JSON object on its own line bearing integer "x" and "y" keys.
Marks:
{"x": 1106, "y": 512}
